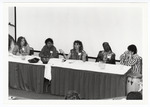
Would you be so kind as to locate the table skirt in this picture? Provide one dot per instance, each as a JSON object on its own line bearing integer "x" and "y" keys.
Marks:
{"x": 90, "y": 85}
{"x": 26, "y": 77}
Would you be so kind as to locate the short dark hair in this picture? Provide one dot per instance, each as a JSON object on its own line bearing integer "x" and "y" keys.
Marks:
{"x": 49, "y": 40}
{"x": 132, "y": 48}
{"x": 134, "y": 96}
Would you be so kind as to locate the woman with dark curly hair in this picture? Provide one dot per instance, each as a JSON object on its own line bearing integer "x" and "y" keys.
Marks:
{"x": 48, "y": 51}
{"x": 21, "y": 47}
{"x": 77, "y": 52}
{"x": 106, "y": 55}
{"x": 131, "y": 58}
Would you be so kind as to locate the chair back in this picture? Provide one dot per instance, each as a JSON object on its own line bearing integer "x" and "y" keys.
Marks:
{"x": 31, "y": 51}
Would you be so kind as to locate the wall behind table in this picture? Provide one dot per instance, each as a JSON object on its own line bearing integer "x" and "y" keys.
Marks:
{"x": 93, "y": 25}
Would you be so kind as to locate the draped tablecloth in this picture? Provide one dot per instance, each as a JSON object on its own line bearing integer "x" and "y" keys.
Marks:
{"x": 91, "y": 80}
{"x": 24, "y": 75}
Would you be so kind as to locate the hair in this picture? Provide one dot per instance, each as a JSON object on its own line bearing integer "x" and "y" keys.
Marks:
{"x": 19, "y": 41}
{"x": 11, "y": 39}
{"x": 132, "y": 48}
{"x": 72, "y": 95}
{"x": 49, "y": 40}
{"x": 80, "y": 43}
{"x": 134, "y": 96}
{"x": 106, "y": 47}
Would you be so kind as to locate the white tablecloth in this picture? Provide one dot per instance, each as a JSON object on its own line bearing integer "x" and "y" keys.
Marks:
{"x": 89, "y": 66}
{"x": 73, "y": 64}
{"x": 24, "y": 59}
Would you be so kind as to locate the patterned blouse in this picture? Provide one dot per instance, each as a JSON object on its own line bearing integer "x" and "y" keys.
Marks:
{"x": 75, "y": 55}
{"x": 135, "y": 62}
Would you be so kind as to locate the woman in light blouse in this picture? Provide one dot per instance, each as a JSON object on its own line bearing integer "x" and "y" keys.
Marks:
{"x": 21, "y": 47}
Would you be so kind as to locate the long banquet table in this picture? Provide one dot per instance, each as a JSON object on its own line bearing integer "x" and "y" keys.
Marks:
{"x": 91, "y": 80}
{"x": 24, "y": 75}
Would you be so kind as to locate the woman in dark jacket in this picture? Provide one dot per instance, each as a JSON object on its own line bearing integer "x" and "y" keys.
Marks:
{"x": 48, "y": 51}
{"x": 106, "y": 55}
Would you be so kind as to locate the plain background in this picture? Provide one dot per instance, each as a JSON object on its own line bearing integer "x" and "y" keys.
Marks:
{"x": 93, "y": 24}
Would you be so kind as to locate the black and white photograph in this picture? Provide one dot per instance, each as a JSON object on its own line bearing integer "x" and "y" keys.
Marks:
{"x": 82, "y": 52}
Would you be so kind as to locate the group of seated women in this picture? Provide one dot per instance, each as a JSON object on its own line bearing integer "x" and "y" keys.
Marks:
{"x": 77, "y": 53}
{"x": 129, "y": 57}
